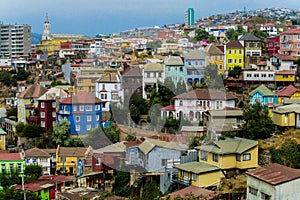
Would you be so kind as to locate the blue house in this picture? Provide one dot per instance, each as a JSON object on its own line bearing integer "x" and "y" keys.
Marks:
{"x": 194, "y": 63}
{"x": 83, "y": 111}
{"x": 264, "y": 96}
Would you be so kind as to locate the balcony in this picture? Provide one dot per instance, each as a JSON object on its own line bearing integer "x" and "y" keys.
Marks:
{"x": 64, "y": 112}
{"x": 182, "y": 180}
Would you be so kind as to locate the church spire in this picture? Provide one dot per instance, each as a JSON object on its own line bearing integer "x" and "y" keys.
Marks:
{"x": 46, "y": 32}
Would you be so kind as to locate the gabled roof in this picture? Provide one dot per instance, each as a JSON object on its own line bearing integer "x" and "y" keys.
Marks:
{"x": 72, "y": 151}
{"x": 82, "y": 97}
{"x": 196, "y": 191}
{"x": 33, "y": 91}
{"x": 195, "y": 55}
{"x": 113, "y": 148}
{"x": 262, "y": 89}
{"x": 211, "y": 49}
{"x": 197, "y": 167}
{"x": 149, "y": 144}
{"x": 53, "y": 94}
{"x": 205, "y": 94}
{"x": 150, "y": 67}
{"x": 293, "y": 31}
{"x": 234, "y": 44}
{"x": 288, "y": 108}
{"x": 229, "y": 146}
{"x": 132, "y": 72}
{"x": 275, "y": 174}
{"x": 168, "y": 108}
{"x": 287, "y": 91}
{"x": 285, "y": 57}
{"x": 37, "y": 153}
{"x": 10, "y": 156}
{"x": 288, "y": 72}
{"x": 250, "y": 37}
{"x": 109, "y": 78}
{"x": 173, "y": 61}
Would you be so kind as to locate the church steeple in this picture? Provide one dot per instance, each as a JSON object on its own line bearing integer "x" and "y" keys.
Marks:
{"x": 46, "y": 33}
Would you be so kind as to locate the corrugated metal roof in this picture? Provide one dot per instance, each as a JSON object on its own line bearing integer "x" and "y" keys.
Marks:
{"x": 197, "y": 167}
{"x": 275, "y": 174}
{"x": 153, "y": 67}
{"x": 195, "y": 55}
{"x": 264, "y": 90}
{"x": 174, "y": 61}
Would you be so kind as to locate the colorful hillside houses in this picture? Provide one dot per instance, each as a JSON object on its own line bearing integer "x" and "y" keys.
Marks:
{"x": 2, "y": 139}
{"x": 289, "y": 92}
{"x": 264, "y": 96}
{"x": 36, "y": 156}
{"x": 28, "y": 99}
{"x": 12, "y": 162}
{"x": 215, "y": 56}
{"x": 274, "y": 181}
{"x": 45, "y": 112}
{"x": 174, "y": 69}
{"x": 289, "y": 42}
{"x": 287, "y": 116}
{"x": 195, "y": 63}
{"x": 192, "y": 104}
{"x": 83, "y": 111}
{"x": 230, "y": 154}
{"x": 285, "y": 77}
{"x": 234, "y": 54}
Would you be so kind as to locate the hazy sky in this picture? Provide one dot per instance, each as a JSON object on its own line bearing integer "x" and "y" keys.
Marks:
{"x": 91, "y": 17}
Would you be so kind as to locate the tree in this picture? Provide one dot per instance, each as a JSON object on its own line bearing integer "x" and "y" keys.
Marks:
{"x": 181, "y": 87}
{"x": 120, "y": 186}
{"x": 12, "y": 193}
{"x": 61, "y": 133}
{"x": 22, "y": 74}
{"x": 201, "y": 34}
{"x": 164, "y": 94}
{"x": 32, "y": 131}
{"x": 5, "y": 77}
{"x": 231, "y": 34}
{"x": 235, "y": 72}
{"x": 257, "y": 123}
{"x": 33, "y": 172}
{"x": 260, "y": 34}
{"x": 112, "y": 133}
{"x": 212, "y": 78}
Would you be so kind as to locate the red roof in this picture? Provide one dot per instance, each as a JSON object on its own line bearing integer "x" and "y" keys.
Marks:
{"x": 285, "y": 57}
{"x": 287, "y": 91}
{"x": 262, "y": 63}
{"x": 82, "y": 97}
{"x": 168, "y": 108}
{"x": 234, "y": 44}
{"x": 294, "y": 31}
{"x": 286, "y": 72}
{"x": 196, "y": 191}
{"x": 275, "y": 174}
{"x": 10, "y": 156}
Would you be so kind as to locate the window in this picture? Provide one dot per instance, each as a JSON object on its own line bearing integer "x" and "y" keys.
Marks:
{"x": 77, "y": 128}
{"x": 249, "y": 75}
{"x": 220, "y": 66}
{"x": 103, "y": 86}
{"x": 42, "y": 105}
{"x": 43, "y": 124}
{"x": 88, "y": 127}
{"x": 19, "y": 167}
{"x": 89, "y": 118}
{"x": 3, "y": 167}
{"x": 97, "y": 107}
{"x": 180, "y": 103}
{"x": 229, "y": 60}
{"x": 43, "y": 159}
{"x": 240, "y": 60}
{"x": 53, "y": 104}
{"x": 204, "y": 155}
{"x": 77, "y": 118}
{"x": 252, "y": 191}
{"x": 285, "y": 76}
{"x": 238, "y": 157}
{"x": 81, "y": 108}
{"x": 97, "y": 117}
{"x": 74, "y": 108}
{"x": 181, "y": 69}
{"x": 256, "y": 75}
{"x": 265, "y": 196}
{"x": 263, "y": 75}
{"x": 229, "y": 52}
{"x": 240, "y": 51}
{"x": 54, "y": 114}
{"x": 88, "y": 108}
{"x": 194, "y": 177}
{"x": 42, "y": 114}
{"x": 215, "y": 157}
{"x": 98, "y": 161}
{"x": 164, "y": 162}
{"x": 11, "y": 167}
{"x": 246, "y": 156}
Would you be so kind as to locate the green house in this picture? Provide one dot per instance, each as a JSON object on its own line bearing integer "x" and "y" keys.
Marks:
{"x": 11, "y": 162}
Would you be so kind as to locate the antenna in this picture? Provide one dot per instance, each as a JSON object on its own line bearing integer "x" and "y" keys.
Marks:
{"x": 47, "y": 17}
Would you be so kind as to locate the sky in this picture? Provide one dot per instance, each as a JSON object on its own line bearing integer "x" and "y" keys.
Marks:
{"x": 92, "y": 17}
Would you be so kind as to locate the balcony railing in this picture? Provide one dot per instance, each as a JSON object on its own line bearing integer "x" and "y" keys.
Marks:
{"x": 183, "y": 180}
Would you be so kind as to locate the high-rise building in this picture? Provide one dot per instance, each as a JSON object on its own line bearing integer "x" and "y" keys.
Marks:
{"x": 190, "y": 17}
{"x": 15, "y": 40}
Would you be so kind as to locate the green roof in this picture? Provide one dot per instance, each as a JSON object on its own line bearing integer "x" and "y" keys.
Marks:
{"x": 229, "y": 145}
{"x": 149, "y": 144}
{"x": 197, "y": 167}
{"x": 264, "y": 90}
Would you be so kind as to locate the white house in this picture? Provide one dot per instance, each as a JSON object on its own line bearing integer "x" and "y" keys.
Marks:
{"x": 36, "y": 156}
{"x": 282, "y": 62}
{"x": 192, "y": 104}
{"x": 108, "y": 89}
{"x": 273, "y": 182}
{"x": 152, "y": 73}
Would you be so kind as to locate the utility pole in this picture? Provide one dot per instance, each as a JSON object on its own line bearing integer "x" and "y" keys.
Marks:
{"x": 24, "y": 193}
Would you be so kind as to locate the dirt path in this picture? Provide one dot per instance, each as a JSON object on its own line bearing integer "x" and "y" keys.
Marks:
{"x": 137, "y": 131}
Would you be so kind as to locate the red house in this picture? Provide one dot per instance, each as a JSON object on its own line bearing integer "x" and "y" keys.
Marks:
{"x": 273, "y": 45}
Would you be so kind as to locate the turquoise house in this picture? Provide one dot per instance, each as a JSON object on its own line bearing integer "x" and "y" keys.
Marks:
{"x": 174, "y": 69}
{"x": 264, "y": 96}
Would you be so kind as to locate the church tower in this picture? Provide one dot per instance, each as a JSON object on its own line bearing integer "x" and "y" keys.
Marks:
{"x": 46, "y": 33}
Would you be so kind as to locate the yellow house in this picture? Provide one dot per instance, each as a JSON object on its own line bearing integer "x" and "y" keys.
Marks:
{"x": 2, "y": 139}
{"x": 50, "y": 46}
{"x": 231, "y": 153}
{"x": 27, "y": 100}
{"x": 234, "y": 54}
{"x": 67, "y": 159}
{"x": 290, "y": 92}
{"x": 198, "y": 174}
{"x": 287, "y": 116}
{"x": 285, "y": 77}
{"x": 215, "y": 56}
